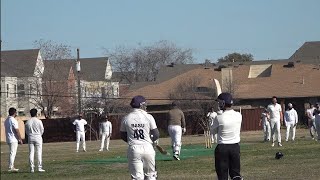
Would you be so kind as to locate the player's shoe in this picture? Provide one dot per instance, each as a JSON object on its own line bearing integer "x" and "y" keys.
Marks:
{"x": 77, "y": 150}
{"x": 41, "y": 170}
{"x": 176, "y": 157}
{"x": 100, "y": 149}
{"x": 279, "y": 144}
{"x": 272, "y": 145}
{"x": 13, "y": 170}
{"x": 32, "y": 170}
{"x": 84, "y": 150}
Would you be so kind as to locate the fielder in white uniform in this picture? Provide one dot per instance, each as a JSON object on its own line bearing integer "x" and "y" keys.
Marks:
{"x": 291, "y": 121}
{"x": 316, "y": 113}
{"x": 80, "y": 132}
{"x": 211, "y": 116}
{"x": 106, "y": 132}
{"x": 276, "y": 118}
{"x": 34, "y": 130}
{"x": 311, "y": 121}
{"x": 176, "y": 127}
{"x": 140, "y": 131}
{"x": 265, "y": 122}
{"x": 12, "y": 137}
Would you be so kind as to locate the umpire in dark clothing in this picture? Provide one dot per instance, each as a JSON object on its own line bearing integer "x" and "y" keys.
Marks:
{"x": 227, "y": 126}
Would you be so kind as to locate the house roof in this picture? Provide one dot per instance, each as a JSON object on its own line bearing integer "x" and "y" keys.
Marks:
{"x": 19, "y": 63}
{"x": 309, "y": 51}
{"x": 297, "y": 81}
{"x": 122, "y": 77}
{"x": 92, "y": 69}
{"x": 57, "y": 70}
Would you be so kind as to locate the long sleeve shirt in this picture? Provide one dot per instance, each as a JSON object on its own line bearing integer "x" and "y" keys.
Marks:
{"x": 291, "y": 116}
{"x": 176, "y": 117}
{"x": 34, "y": 129}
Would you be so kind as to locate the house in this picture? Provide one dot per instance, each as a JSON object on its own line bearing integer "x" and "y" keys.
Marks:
{"x": 21, "y": 78}
{"x": 58, "y": 88}
{"x": 308, "y": 52}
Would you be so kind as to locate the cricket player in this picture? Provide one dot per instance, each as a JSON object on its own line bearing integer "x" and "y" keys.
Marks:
{"x": 311, "y": 121}
{"x": 106, "y": 132}
{"x": 276, "y": 118}
{"x": 34, "y": 130}
{"x": 79, "y": 125}
{"x": 211, "y": 116}
{"x": 291, "y": 121}
{"x": 176, "y": 127}
{"x": 227, "y": 153}
{"x": 140, "y": 131}
{"x": 264, "y": 121}
{"x": 316, "y": 113}
{"x": 12, "y": 137}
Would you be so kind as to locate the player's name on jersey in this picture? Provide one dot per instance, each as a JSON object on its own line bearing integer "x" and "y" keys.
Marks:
{"x": 137, "y": 125}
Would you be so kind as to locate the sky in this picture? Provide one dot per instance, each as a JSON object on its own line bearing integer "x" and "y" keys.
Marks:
{"x": 268, "y": 29}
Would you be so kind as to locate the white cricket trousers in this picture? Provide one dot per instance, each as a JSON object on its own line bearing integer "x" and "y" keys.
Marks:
{"x": 290, "y": 127}
{"x": 12, "y": 155}
{"x": 141, "y": 161}
{"x": 275, "y": 128}
{"x": 175, "y": 132}
{"x": 81, "y": 136}
{"x": 105, "y": 137}
{"x": 35, "y": 145}
{"x": 266, "y": 131}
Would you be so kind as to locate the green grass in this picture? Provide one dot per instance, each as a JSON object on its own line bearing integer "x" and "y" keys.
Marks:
{"x": 300, "y": 161}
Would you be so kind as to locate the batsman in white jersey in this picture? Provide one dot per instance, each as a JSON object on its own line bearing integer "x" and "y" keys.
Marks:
{"x": 211, "y": 116}
{"x": 106, "y": 132}
{"x": 80, "y": 132}
{"x": 291, "y": 121}
{"x": 276, "y": 118}
{"x": 265, "y": 123}
{"x": 140, "y": 131}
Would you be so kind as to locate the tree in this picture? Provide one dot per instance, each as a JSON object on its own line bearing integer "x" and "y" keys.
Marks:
{"x": 144, "y": 62}
{"x": 236, "y": 57}
{"x": 196, "y": 106}
{"x": 53, "y": 51}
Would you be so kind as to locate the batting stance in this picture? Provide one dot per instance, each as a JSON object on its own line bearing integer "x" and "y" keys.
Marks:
{"x": 275, "y": 113}
{"x": 227, "y": 153}
{"x": 106, "y": 132}
{"x": 34, "y": 130}
{"x": 291, "y": 121}
{"x": 211, "y": 116}
{"x": 80, "y": 132}
{"x": 264, "y": 121}
{"x": 140, "y": 131}
{"x": 176, "y": 126}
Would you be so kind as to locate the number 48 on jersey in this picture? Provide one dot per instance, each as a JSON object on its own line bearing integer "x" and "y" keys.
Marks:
{"x": 138, "y": 134}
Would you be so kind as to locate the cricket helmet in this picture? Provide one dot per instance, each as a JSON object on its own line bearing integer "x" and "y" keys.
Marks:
{"x": 279, "y": 155}
{"x": 137, "y": 101}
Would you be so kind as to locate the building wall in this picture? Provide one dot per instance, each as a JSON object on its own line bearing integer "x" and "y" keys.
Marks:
{"x": 8, "y": 94}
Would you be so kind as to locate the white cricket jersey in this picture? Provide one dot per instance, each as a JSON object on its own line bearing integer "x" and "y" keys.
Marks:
{"x": 11, "y": 124}
{"x": 310, "y": 113}
{"x": 34, "y": 129}
{"x": 106, "y": 127}
{"x": 212, "y": 116}
{"x": 291, "y": 116}
{"x": 138, "y": 124}
{"x": 80, "y": 124}
{"x": 274, "y": 111}
{"x": 227, "y": 125}
{"x": 264, "y": 118}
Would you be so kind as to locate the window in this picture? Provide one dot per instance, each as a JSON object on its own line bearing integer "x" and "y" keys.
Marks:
{"x": 7, "y": 90}
{"x": 30, "y": 89}
{"x": 15, "y": 90}
{"x": 103, "y": 92}
{"x": 21, "y": 91}
{"x": 202, "y": 89}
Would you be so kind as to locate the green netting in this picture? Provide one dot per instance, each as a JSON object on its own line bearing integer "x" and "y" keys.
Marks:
{"x": 187, "y": 151}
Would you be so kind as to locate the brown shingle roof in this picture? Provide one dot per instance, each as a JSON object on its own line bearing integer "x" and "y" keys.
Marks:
{"x": 19, "y": 63}
{"x": 57, "y": 70}
{"x": 309, "y": 51}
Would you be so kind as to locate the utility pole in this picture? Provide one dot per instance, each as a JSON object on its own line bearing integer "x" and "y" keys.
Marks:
{"x": 78, "y": 81}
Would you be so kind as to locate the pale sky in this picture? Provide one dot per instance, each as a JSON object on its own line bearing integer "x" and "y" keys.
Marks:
{"x": 268, "y": 29}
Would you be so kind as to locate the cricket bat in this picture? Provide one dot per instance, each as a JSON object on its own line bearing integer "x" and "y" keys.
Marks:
{"x": 162, "y": 150}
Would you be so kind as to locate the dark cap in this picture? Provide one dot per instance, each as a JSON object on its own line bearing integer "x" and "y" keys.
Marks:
{"x": 226, "y": 97}
{"x": 137, "y": 101}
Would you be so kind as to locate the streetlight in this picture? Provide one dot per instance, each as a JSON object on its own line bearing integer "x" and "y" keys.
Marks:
{"x": 78, "y": 80}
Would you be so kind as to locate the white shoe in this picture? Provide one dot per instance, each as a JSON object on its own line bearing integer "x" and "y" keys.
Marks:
{"x": 32, "y": 170}
{"x": 279, "y": 144}
{"x": 176, "y": 157}
{"x": 13, "y": 170}
{"x": 41, "y": 170}
{"x": 100, "y": 149}
{"x": 84, "y": 150}
{"x": 272, "y": 145}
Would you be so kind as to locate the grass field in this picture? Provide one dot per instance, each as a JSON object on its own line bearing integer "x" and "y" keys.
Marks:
{"x": 301, "y": 160}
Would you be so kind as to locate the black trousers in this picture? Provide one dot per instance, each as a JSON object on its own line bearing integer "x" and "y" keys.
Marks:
{"x": 227, "y": 161}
